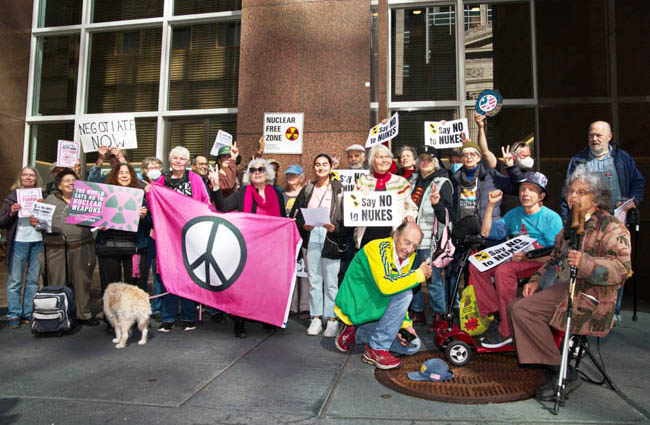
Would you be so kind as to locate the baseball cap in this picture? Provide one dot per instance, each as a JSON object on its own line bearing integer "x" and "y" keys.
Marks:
{"x": 224, "y": 150}
{"x": 427, "y": 150}
{"x": 294, "y": 169}
{"x": 435, "y": 370}
{"x": 355, "y": 147}
{"x": 537, "y": 178}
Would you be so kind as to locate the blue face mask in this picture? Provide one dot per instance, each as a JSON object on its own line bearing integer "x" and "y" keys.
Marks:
{"x": 455, "y": 167}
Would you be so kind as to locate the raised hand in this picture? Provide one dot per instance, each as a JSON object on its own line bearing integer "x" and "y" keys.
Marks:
{"x": 435, "y": 195}
{"x": 479, "y": 119}
{"x": 508, "y": 157}
{"x": 494, "y": 197}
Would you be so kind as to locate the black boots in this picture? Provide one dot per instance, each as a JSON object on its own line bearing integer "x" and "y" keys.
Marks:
{"x": 239, "y": 328}
{"x": 548, "y": 391}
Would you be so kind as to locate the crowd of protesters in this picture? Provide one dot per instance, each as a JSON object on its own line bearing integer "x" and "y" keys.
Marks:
{"x": 364, "y": 284}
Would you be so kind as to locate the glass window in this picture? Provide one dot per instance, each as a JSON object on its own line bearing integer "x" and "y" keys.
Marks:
{"x": 119, "y": 10}
{"x": 511, "y": 124}
{"x": 563, "y": 128}
{"x": 124, "y": 71}
{"x": 498, "y": 50}
{"x": 188, "y": 7}
{"x": 572, "y": 48}
{"x": 56, "y": 13}
{"x": 198, "y": 134}
{"x": 633, "y": 128}
{"x": 411, "y": 126}
{"x": 44, "y": 144}
{"x": 145, "y": 129}
{"x": 55, "y": 93}
{"x": 632, "y": 47}
{"x": 204, "y": 66}
{"x": 423, "y": 54}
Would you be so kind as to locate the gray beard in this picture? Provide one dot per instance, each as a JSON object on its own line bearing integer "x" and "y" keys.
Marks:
{"x": 356, "y": 166}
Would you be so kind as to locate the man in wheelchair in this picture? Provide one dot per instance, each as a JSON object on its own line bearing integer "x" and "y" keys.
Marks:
{"x": 603, "y": 264}
{"x": 531, "y": 218}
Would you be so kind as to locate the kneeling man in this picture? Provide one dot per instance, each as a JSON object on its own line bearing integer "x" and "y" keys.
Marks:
{"x": 531, "y": 218}
{"x": 375, "y": 294}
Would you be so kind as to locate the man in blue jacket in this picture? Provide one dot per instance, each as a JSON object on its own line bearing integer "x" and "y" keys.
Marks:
{"x": 617, "y": 167}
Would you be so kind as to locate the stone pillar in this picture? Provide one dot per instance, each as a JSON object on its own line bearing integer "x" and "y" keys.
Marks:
{"x": 311, "y": 57}
{"x": 15, "y": 29}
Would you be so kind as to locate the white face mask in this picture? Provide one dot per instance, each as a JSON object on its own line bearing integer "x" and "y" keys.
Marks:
{"x": 154, "y": 174}
{"x": 526, "y": 163}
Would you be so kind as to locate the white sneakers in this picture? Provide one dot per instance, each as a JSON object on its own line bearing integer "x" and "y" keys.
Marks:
{"x": 332, "y": 329}
{"x": 316, "y": 327}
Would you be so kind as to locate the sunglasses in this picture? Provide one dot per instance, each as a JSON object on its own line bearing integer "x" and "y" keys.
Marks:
{"x": 252, "y": 170}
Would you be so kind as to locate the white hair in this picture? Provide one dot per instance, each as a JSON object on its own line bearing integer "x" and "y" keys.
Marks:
{"x": 373, "y": 152}
{"x": 270, "y": 172}
{"x": 180, "y": 151}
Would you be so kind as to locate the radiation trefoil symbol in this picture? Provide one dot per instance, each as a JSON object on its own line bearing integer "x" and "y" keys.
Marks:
{"x": 433, "y": 128}
{"x": 214, "y": 252}
{"x": 292, "y": 133}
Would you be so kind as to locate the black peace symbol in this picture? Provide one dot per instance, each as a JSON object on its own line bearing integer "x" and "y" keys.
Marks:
{"x": 198, "y": 244}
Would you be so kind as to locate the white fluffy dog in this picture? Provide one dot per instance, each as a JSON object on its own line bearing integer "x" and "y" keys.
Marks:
{"x": 125, "y": 305}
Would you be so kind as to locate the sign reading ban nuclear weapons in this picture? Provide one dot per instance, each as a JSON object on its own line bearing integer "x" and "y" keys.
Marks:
{"x": 283, "y": 132}
{"x": 445, "y": 136}
{"x": 110, "y": 130}
{"x": 371, "y": 209}
{"x": 105, "y": 205}
{"x": 495, "y": 255}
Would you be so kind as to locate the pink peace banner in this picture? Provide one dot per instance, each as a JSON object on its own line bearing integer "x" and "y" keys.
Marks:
{"x": 243, "y": 264}
{"x": 105, "y": 205}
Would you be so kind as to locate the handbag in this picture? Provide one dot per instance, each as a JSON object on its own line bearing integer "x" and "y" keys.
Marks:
{"x": 470, "y": 319}
{"x": 443, "y": 251}
{"x": 115, "y": 248}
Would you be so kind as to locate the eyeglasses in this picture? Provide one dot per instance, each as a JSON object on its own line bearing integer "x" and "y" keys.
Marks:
{"x": 470, "y": 155}
{"x": 253, "y": 170}
{"x": 580, "y": 192}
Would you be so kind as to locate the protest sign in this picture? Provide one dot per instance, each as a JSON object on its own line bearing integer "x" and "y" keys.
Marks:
{"x": 348, "y": 178}
{"x": 621, "y": 213}
{"x": 26, "y": 199}
{"x": 43, "y": 213}
{"x": 67, "y": 153}
{"x": 222, "y": 139}
{"x": 495, "y": 255}
{"x": 301, "y": 270}
{"x": 110, "y": 130}
{"x": 105, "y": 205}
{"x": 383, "y": 132}
{"x": 488, "y": 103}
{"x": 283, "y": 132}
{"x": 371, "y": 209}
{"x": 445, "y": 136}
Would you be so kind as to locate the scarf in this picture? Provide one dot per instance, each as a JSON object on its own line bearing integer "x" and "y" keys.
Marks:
{"x": 382, "y": 179}
{"x": 407, "y": 173}
{"x": 268, "y": 206}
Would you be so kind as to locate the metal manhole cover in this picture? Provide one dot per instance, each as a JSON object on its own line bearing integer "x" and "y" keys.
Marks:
{"x": 487, "y": 378}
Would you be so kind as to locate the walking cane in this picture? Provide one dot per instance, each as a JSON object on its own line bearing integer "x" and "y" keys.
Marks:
{"x": 577, "y": 231}
{"x": 633, "y": 221}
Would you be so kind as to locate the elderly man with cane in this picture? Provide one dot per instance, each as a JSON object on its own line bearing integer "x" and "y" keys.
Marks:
{"x": 602, "y": 264}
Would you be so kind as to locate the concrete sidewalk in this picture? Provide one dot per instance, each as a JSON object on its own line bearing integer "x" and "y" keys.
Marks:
{"x": 207, "y": 376}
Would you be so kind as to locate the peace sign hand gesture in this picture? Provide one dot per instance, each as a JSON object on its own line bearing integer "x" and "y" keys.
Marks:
{"x": 435, "y": 195}
{"x": 508, "y": 157}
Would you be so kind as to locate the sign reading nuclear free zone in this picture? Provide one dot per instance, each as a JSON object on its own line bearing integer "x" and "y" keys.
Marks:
{"x": 283, "y": 132}
{"x": 371, "y": 209}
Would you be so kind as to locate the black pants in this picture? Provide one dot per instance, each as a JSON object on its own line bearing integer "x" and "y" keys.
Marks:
{"x": 115, "y": 268}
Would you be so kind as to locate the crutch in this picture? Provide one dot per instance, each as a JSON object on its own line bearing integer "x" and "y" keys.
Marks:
{"x": 577, "y": 231}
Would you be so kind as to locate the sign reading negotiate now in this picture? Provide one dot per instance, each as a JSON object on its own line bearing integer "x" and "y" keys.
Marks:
{"x": 110, "y": 130}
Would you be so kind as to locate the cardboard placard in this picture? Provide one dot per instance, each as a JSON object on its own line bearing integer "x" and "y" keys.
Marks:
{"x": 348, "y": 178}
{"x": 283, "y": 132}
{"x": 383, "y": 132}
{"x": 67, "y": 153}
{"x": 110, "y": 130}
{"x": 445, "y": 136}
{"x": 372, "y": 209}
{"x": 495, "y": 255}
{"x": 26, "y": 199}
{"x": 223, "y": 139}
{"x": 105, "y": 205}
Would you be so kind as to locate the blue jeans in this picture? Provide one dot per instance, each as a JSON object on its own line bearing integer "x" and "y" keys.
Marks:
{"x": 170, "y": 308}
{"x": 22, "y": 254}
{"x": 619, "y": 298}
{"x": 156, "y": 303}
{"x": 435, "y": 286}
{"x": 382, "y": 335}
{"x": 323, "y": 276}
